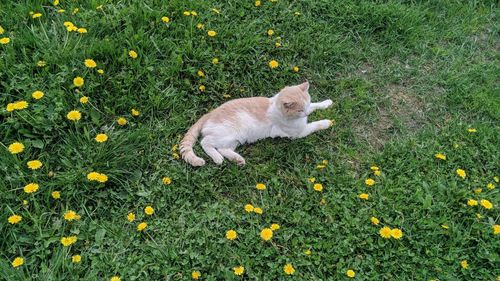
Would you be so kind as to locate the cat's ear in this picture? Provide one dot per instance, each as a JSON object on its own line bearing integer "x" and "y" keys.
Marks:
{"x": 289, "y": 105}
{"x": 304, "y": 86}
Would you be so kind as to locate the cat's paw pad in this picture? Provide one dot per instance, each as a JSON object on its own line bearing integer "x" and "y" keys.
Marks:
{"x": 327, "y": 103}
{"x": 240, "y": 161}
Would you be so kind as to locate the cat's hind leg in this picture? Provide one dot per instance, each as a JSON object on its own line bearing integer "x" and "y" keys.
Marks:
{"x": 210, "y": 150}
{"x": 232, "y": 156}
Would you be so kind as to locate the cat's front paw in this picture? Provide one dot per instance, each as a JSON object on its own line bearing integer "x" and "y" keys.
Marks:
{"x": 325, "y": 124}
{"x": 327, "y": 103}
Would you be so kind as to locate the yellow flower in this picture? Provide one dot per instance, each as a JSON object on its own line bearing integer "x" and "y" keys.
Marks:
{"x": 194, "y": 13}
{"x": 14, "y": 219}
{"x": 270, "y": 32}
{"x": 4, "y": 40}
{"x": 84, "y": 99}
{"x": 396, "y": 233}
{"x": 211, "y": 33}
{"x": 201, "y": 73}
{"x": 74, "y": 115}
{"x": 257, "y": 3}
{"x": 165, "y": 19}
{"x": 41, "y": 63}
{"x": 472, "y": 202}
{"x": 55, "y": 3}
{"x": 56, "y": 194}
{"x": 307, "y": 252}
{"x": 68, "y": 23}
{"x": 195, "y": 274}
{"x": 215, "y": 60}
{"x": 273, "y": 64}
{"x": 496, "y": 179}
{"x": 1, "y": 30}
{"x": 364, "y": 196}
{"x": 10, "y": 107}
{"x": 471, "y": 130}
{"x": 486, "y": 204}
{"x": 288, "y": 269}
{"x": 249, "y": 208}
{"x": 81, "y": 30}
{"x": 202, "y": 88}
{"x": 71, "y": 28}
{"x": 295, "y": 69}
{"x": 17, "y": 262}
{"x": 34, "y": 164}
{"x": 149, "y": 210}
{"x": 36, "y": 15}
{"x": 71, "y": 215}
{"x": 132, "y": 54}
{"x": 100, "y": 71}
{"x": 275, "y": 226}
{"x": 464, "y": 264}
{"x": 186, "y": 13}
{"x": 260, "y": 186}
{"x": 231, "y": 234}
{"x": 121, "y": 121}
{"x": 16, "y": 147}
{"x": 131, "y": 217}
{"x": 258, "y": 210}
{"x": 115, "y": 278}
{"x": 385, "y": 232}
{"x": 445, "y": 226}
{"x": 92, "y": 176}
{"x": 374, "y": 220}
{"x": 369, "y": 182}
{"x": 102, "y": 178}
{"x": 490, "y": 186}
{"x": 266, "y": 234}
{"x": 320, "y": 166}
{"x": 350, "y": 273}
{"x": 37, "y": 95}
{"x": 90, "y": 63}
{"x": 440, "y": 156}
{"x": 478, "y": 190}
{"x": 135, "y": 112}
{"x": 101, "y": 138}
{"x": 31, "y": 187}
{"x": 239, "y": 270}
{"x": 478, "y": 215}
{"x": 496, "y": 229}
{"x": 318, "y": 187}
{"x": 200, "y": 26}
{"x": 311, "y": 180}
{"x": 78, "y": 81}
{"x": 67, "y": 241}
{"x": 166, "y": 180}
{"x": 461, "y": 173}
{"x": 20, "y": 105}
{"x": 61, "y": 11}
{"x": 377, "y": 173}
{"x": 142, "y": 226}
{"x": 76, "y": 258}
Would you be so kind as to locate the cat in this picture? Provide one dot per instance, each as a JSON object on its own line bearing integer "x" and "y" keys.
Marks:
{"x": 247, "y": 120}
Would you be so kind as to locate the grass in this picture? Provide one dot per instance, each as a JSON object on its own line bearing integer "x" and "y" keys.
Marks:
{"x": 408, "y": 79}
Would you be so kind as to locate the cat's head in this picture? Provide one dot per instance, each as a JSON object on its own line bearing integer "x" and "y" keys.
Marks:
{"x": 294, "y": 101}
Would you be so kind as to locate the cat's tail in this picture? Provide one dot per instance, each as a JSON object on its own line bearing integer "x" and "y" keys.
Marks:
{"x": 186, "y": 147}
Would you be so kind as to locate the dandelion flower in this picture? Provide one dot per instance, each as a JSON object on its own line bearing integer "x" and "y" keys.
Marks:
{"x": 231, "y": 234}
{"x": 132, "y": 54}
{"x": 307, "y": 252}
{"x": 17, "y": 262}
{"x": 41, "y": 63}
{"x": 14, "y": 219}
{"x": 396, "y": 233}
{"x": 374, "y": 220}
{"x": 258, "y": 210}
{"x": 440, "y": 156}
{"x": 472, "y": 202}
{"x": 90, "y": 63}
{"x": 84, "y": 99}
{"x": 318, "y": 187}
{"x": 31, "y": 187}
{"x": 464, "y": 264}
{"x": 78, "y": 81}
{"x": 82, "y": 30}
{"x": 461, "y": 173}
{"x": 135, "y": 112}
{"x": 270, "y": 32}
{"x": 142, "y": 226}
{"x": 2, "y": 30}
{"x": 258, "y": 3}
{"x": 369, "y": 182}
{"x": 275, "y": 226}
{"x": 239, "y": 270}
{"x": 496, "y": 229}
{"x": 385, "y": 232}
{"x": 364, "y": 196}
{"x": 76, "y": 258}
{"x": 4, "y": 40}
{"x": 273, "y": 64}
{"x": 36, "y": 15}
{"x": 16, "y": 147}
{"x": 21, "y": 105}
{"x": 295, "y": 69}
{"x": 288, "y": 269}
{"x": 74, "y": 115}
{"x": 71, "y": 215}
{"x": 486, "y": 204}
{"x": 131, "y": 217}
{"x": 472, "y": 130}
{"x": 266, "y": 234}
{"x": 211, "y": 33}
{"x": 377, "y": 173}
{"x": 200, "y": 26}
{"x": 67, "y": 241}
{"x": 115, "y": 278}
{"x": 350, "y": 273}
{"x": 121, "y": 121}
{"x": 100, "y": 71}
{"x": 201, "y": 73}
{"x": 34, "y": 164}
{"x": 55, "y": 194}
{"x": 101, "y": 138}
{"x": 149, "y": 210}
{"x": 215, "y": 61}
{"x": 166, "y": 180}
{"x": 202, "y": 88}
{"x": 490, "y": 186}
{"x": 186, "y": 13}
{"x": 195, "y": 275}
{"x": 37, "y": 95}
{"x": 445, "y": 226}
{"x": 260, "y": 186}
{"x": 249, "y": 208}
{"x": 102, "y": 178}
{"x": 165, "y": 19}
{"x": 92, "y": 176}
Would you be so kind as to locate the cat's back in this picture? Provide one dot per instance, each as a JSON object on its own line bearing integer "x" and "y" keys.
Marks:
{"x": 254, "y": 107}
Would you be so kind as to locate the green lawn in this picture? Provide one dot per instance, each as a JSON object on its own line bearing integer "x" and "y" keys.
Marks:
{"x": 409, "y": 79}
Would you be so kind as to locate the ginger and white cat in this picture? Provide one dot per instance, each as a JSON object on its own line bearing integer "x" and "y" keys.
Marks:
{"x": 247, "y": 120}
